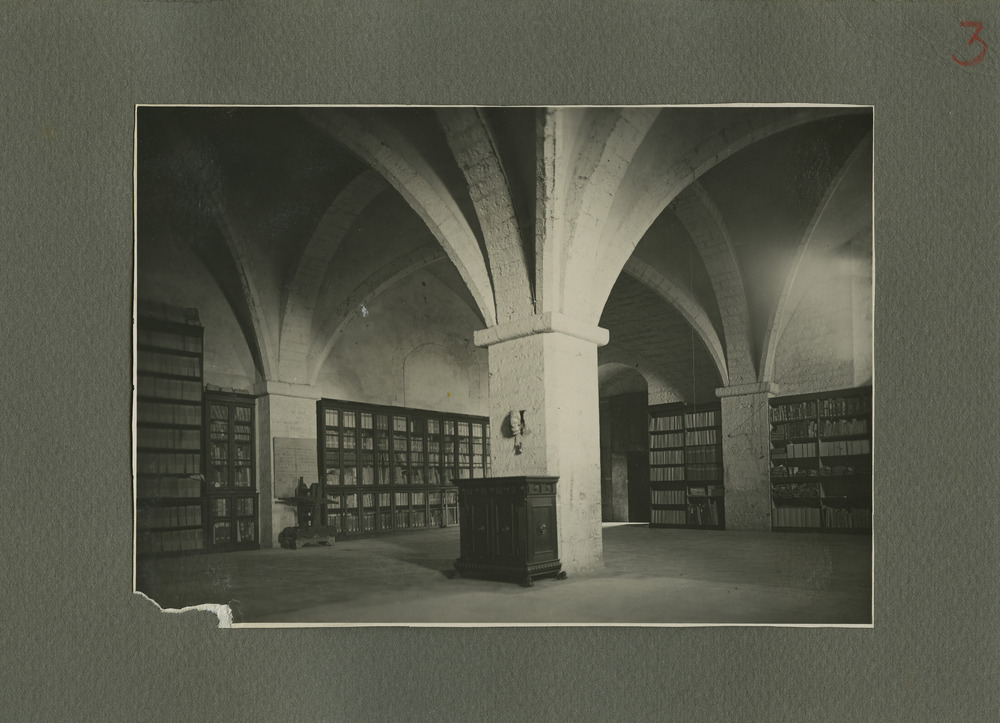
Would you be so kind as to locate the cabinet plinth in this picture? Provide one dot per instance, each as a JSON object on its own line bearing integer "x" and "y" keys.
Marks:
{"x": 508, "y": 529}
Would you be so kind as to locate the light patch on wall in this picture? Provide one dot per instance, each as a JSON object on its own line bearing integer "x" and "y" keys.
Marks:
{"x": 364, "y": 310}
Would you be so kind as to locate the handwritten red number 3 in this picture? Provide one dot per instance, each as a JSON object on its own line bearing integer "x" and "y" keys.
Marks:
{"x": 975, "y": 38}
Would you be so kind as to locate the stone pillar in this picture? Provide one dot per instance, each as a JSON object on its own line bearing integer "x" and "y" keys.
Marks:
{"x": 746, "y": 443}
{"x": 546, "y": 366}
{"x": 283, "y": 410}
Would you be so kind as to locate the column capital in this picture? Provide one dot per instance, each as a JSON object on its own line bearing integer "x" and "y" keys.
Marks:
{"x": 547, "y": 322}
{"x": 739, "y": 390}
{"x": 285, "y": 389}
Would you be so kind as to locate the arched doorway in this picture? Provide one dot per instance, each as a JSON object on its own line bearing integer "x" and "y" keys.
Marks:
{"x": 624, "y": 444}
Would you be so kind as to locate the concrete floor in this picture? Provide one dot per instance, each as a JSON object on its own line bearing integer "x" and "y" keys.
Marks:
{"x": 649, "y": 576}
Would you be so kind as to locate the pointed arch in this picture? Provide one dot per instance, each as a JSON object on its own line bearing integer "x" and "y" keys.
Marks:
{"x": 309, "y": 270}
{"x": 782, "y": 309}
{"x": 387, "y": 152}
{"x": 472, "y": 145}
{"x": 688, "y": 307}
{"x": 336, "y": 319}
{"x": 619, "y": 240}
{"x": 704, "y": 224}
{"x": 610, "y": 142}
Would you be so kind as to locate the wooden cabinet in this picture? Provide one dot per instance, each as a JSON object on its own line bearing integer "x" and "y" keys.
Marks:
{"x": 230, "y": 480}
{"x": 385, "y": 468}
{"x": 508, "y": 529}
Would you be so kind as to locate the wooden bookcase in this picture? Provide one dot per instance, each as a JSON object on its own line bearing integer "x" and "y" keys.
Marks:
{"x": 170, "y": 496}
{"x": 821, "y": 462}
{"x": 384, "y": 468}
{"x": 230, "y": 480}
{"x": 685, "y": 467}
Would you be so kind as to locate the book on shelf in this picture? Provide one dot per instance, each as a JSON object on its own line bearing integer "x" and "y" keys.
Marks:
{"x": 701, "y": 419}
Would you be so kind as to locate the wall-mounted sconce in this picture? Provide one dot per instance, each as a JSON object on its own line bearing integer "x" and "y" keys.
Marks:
{"x": 517, "y": 428}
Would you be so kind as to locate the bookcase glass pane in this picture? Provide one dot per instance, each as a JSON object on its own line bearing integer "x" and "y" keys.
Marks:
{"x": 220, "y": 507}
{"x": 222, "y": 533}
{"x": 246, "y": 531}
{"x": 241, "y": 477}
{"x": 244, "y": 506}
{"x": 347, "y": 419}
{"x": 398, "y": 423}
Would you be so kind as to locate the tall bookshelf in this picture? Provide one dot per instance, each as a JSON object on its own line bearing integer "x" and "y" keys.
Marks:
{"x": 231, "y": 482}
{"x": 386, "y": 468}
{"x": 821, "y": 462}
{"x": 685, "y": 467}
{"x": 170, "y": 495}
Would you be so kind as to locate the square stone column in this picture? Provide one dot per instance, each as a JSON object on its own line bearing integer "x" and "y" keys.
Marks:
{"x": 283, "y": 410}
{"x": 746, "y": 455}
{"x": 546, "y": 367}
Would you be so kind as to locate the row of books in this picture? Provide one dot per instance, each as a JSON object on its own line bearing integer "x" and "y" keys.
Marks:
{"x": 668, "y": 517}
{"x": 168, "y": 463}
{"x": 796, "y": 490}
{"x": 702, "y": 455}
{"x": 843, "y": 427}
{"x": 168, "y": 340}
{"x": 668, "y": 497}
{"x": 858, "y": 518}
{"x": 167, "y": 413}
{"x": 781, "y": 431}
{"x": 701, "y": 437}
{"x": 168, "y": 438}
{"x": 794, "y": 450}
{"x": 795, "y": 516}
{"x": 349, "y": 419}
{"x": 182, "y": 389}
{"x": 793, "y": 411}
{"x": 666, "y": 440}
{"x": 846, "y": 406}
{"x": 666, "y": 424}
{"x": 168, "y": 487}
{"x": 151, "y": 543}
{"x": 666, "y": 474}
{"x": 666, "y": 456}
{"x": 180, "y": 516}
{"x": 701, "y": 419}
{"x": 844, "y": 447}
{"x": 156, "y": 363}
{"x": 703, "y": 472}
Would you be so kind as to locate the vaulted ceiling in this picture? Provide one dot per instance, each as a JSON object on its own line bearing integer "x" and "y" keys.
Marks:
{"x": 688, "y": 232}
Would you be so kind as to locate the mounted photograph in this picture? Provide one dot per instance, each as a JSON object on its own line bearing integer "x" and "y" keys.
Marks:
{"x": 569, "y": 365}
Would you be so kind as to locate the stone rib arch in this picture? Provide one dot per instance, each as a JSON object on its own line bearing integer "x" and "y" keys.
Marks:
{"x": 619, "y": 241}
{"x": 704, "y": 224}
{"x": 240, "y": 253}
{"x": 338, "y": 318}
{"x": 403, "y": 167}
{"x": 590, "y": 207}
{"x": 688, "y": 307}
{"x": 782, "y": 309}
{"x": 472, "y": 145}
{"x": 309, "y": 270}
